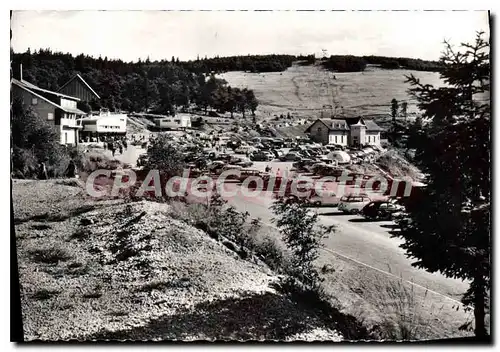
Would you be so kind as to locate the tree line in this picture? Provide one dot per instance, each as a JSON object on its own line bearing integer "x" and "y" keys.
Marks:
{"x": 167, "y": 86}
{"x": 248, "y": 63}
{"x": 162, "y": 87}
{"x": 350, "y": 63}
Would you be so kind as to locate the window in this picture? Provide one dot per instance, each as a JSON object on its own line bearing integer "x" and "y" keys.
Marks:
{"x": 50, "y": 116}
{"x": 177, "y": 121}
{"x": 335, "y": 139}
{"x": 34, "y": 101}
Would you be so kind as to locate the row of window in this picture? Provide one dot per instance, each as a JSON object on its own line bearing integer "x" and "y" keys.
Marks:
{"x": 343, "y": 139}
{"x": 168, "y": 120}
{"x": 340, "y": 139}
{"x": 110, "y": 127}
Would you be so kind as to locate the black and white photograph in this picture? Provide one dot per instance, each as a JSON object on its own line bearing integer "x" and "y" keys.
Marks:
{"x": 251, "y": 176}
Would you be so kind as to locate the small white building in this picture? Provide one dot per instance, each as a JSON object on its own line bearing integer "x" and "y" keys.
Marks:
{"x": 353, "y": 131}
{"x": 104, "y": 123}
{"x": 179, "y": 121}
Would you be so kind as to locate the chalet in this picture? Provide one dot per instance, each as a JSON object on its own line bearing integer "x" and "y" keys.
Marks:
{"x": 56, "y": 108}
{"x": 77, "y": 87}
{"x": 352, "y": 131}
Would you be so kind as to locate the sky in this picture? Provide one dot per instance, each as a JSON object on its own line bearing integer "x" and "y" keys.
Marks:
{"x": 130, "y": 35}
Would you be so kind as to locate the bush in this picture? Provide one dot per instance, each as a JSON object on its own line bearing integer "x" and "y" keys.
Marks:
{"x": 34, "y": 141}
{"x": 164, "y": 156}
{"x": 50, "y": 255}
{"x": 271, "y": 253}
{"x": 44, "y": 294}
{"x": 302, "y": 236}
{"x": 93, "y": 161}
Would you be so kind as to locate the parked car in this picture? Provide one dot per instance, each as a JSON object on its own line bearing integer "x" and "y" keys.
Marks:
{"x": 216, "y": 166}
{"x": 303, "y": 164}
{"x": 244, "y": 162}
{"x": 141, "y": 161}
{"x": 269, "y": 154}
{"x": 277, "y": 153}
{"x": 261, "y": 156}
{"x": 381, "y": 210}
{"x": 291, "y": 157}
{"x": 353, "y": 204}
{"x": 245, "y": 149}
{"x": 327, "y": 198}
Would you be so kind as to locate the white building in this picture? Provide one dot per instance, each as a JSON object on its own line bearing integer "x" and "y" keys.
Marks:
{"x": 353, "y": 131}
{"x": 179, "y": 121}
{"x": 104, "y": 123}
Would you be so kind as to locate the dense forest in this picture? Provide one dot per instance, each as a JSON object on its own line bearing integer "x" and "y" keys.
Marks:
{"x": 349, "y": 63}
{"x": 167, "y": 86}
{"x": 277, "y": 63}
{"x": 249, "y": 63}
{"x": 162, "y": 87}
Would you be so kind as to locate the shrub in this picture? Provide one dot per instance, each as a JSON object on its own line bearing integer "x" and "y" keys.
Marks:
{"x": 34, "y": 141}
{"x": 164, "y": 156}
{"x": 50, "y": 255}
{"x": 44, "y": 294}
{"x": 302, "y": 236}
{"x": 271, "y": 253}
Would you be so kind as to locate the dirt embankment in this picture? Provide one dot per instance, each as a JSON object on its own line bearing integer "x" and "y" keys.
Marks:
{"x": 390, "y": 162}
{"x": 110, "y": 270}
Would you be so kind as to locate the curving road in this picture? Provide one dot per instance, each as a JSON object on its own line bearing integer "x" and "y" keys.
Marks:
{"x": 367, "y": 245}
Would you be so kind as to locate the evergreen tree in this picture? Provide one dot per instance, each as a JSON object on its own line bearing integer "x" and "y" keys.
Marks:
{"x": 449, "y": 230}
{"x": 251, "y": 101}
{"x": 394, "y": 114}
{"x": 404, "y": 109}
{"x": 394, "y": 109}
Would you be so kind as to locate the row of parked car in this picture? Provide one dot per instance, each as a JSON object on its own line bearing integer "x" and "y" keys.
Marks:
{"x": 370, "y": 209}
{"x": 362, "y": 204}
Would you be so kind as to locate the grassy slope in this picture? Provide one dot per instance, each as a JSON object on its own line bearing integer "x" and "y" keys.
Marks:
{"x": 133, "y": 272}
{"x": 303, "y": 90}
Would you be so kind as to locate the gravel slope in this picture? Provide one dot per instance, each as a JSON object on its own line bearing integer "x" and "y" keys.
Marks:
{"x": 108, "y": 270}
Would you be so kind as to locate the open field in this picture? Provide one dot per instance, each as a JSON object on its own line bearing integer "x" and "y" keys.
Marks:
{"x": 304, "y": 90}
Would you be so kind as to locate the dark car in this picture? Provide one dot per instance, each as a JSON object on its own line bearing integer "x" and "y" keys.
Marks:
{"x": 303, "y": 164}
{"x": 381, "y": 210}
{"x": 260, "y": 156}
{"x": 291, "y": 157}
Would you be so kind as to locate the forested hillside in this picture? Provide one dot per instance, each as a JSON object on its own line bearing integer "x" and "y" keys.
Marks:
{"x": 160, "y": 86}
{"x": 168, "y": 86}
{"x": 349, "y": 63}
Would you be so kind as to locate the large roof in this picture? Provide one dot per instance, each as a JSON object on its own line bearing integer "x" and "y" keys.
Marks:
{"x": 372, "y": 126}
{"x": 343, "y": 124}
{"x": 31, "y": 86}
{"x": 332, "y": 124}
{"x": 80, "y": 78}
{"x": 22, "y": 85}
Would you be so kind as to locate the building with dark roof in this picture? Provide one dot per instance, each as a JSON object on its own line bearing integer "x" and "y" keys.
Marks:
{"x": 349, "y": 131}
{"x": 77, "y": 87}
{"x": 56, "y": 108}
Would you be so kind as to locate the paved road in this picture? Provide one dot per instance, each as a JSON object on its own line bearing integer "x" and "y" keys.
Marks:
{"x": 369, "y": 249}
{"x": 368, "y": 243}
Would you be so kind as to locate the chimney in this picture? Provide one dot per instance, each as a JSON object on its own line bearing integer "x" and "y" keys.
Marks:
{"x": 21, "y": 72}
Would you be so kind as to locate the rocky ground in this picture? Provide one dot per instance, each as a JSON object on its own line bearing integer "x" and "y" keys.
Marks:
{"x": 112, "y": 270}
